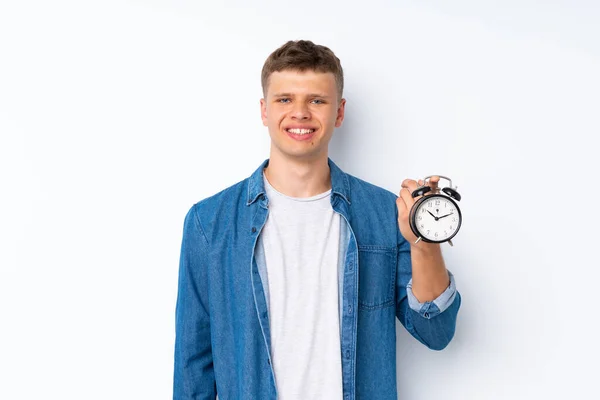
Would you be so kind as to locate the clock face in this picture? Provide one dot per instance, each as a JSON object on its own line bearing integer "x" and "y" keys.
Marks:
{"x": 437, "y": 218}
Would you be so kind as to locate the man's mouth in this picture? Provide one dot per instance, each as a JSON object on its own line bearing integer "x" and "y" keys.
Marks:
{"x": 297, "y": 131}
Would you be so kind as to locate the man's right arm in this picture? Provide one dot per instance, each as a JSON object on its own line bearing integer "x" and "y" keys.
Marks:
{"x": 194, "y": 376}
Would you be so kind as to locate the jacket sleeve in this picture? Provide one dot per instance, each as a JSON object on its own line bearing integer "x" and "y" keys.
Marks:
{"x": 432, "y": 323}
{"x": 193, "y": 376}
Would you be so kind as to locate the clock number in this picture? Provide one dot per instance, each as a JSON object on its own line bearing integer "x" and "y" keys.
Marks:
{"x": 429, "y": 204}
{"x": 437, "y": 202}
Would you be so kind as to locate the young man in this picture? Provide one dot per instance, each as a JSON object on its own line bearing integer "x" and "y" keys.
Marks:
{"x": 290, "y": 280}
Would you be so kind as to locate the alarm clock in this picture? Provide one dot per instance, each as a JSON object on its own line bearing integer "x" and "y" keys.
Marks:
{"x": 435, "y": 217}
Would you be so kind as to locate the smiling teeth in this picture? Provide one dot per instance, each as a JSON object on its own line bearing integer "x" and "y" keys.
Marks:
{"x": 300, "y": 131}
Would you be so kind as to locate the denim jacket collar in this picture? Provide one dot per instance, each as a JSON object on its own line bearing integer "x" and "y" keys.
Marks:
{"x": 339, "y": 183}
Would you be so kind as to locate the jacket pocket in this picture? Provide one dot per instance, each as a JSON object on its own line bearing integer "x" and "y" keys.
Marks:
{"x": 377, "y": 269}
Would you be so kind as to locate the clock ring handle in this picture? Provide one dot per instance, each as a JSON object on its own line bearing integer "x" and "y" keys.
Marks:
{"x": 449, "y": 190}
{"x": 441, "y": 177}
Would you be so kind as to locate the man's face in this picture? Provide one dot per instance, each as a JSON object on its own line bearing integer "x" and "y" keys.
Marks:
{"x": 299, "y": 101}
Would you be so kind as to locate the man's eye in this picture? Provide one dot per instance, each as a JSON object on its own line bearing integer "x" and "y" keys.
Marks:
{"x": 319, "y": 101}
{"x": 282, "y": 100}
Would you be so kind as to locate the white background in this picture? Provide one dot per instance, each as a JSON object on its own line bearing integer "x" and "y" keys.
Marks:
{"x": 117, "y": 116}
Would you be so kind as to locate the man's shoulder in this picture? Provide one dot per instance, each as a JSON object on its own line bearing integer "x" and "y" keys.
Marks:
{"x": 365, "y": 191}
{"x": 226, "y": 199}
{"x": 373, "y": 213}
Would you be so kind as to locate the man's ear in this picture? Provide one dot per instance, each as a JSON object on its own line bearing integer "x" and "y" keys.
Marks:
{"x": 263, "y": 111}
{"x": 340, "y": 113}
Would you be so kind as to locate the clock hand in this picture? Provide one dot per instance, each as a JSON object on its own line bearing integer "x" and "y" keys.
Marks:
{"x": 443, "y": 216}
{"x": 436, "y": 218}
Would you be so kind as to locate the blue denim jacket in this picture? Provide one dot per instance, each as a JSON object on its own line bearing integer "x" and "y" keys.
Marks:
{"x": 222, "y": 342}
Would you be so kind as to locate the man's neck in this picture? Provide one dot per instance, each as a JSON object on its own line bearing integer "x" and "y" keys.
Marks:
{"x": 298, "y": 178}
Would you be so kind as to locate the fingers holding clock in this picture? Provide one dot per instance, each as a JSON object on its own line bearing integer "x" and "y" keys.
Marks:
{"x": 410, "y": 185}
{"x": 433, "y": 183}
{"x": 405, "y": 200}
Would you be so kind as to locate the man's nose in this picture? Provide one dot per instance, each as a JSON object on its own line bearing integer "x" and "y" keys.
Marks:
{"x": 301, "y": 111}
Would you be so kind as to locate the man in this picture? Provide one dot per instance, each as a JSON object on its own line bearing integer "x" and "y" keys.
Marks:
{"x": 290, "y": 280}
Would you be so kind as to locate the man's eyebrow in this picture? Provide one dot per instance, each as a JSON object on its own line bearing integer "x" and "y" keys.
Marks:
{"x": 309, "y": 95}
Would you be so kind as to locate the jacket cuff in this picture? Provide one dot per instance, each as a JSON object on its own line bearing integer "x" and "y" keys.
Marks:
{"x": 430, "y": 309}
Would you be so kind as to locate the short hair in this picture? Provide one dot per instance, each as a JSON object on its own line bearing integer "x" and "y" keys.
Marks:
{"x": 302, "y": 55}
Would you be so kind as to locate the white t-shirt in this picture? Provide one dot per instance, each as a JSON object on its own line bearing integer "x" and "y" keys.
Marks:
{"x": 301, "y": 244}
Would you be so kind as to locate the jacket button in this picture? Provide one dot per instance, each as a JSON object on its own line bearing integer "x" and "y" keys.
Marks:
{"x": 253, "y": 229}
